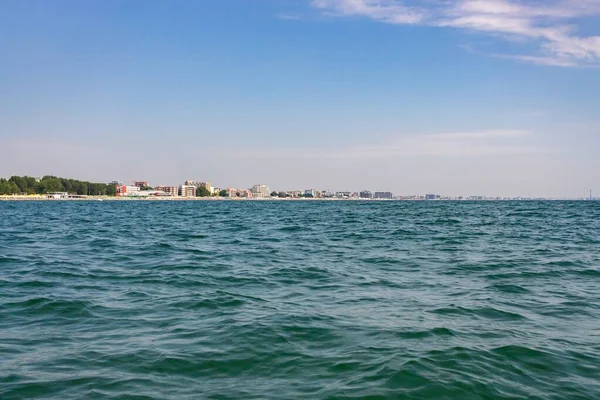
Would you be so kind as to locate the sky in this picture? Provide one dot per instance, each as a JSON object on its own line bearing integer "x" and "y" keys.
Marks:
{"x": 454, "y": 97}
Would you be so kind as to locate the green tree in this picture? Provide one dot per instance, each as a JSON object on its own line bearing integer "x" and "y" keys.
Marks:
{"x": 274, "y": 194}
{"x": 4, "y": 186}
{"x": 223, "y": 193}
{"x": 13, "y": 188}
{"x": 25, "y": 184}
{"x": 202, "y": 192}
{"x": 50, "y": 183}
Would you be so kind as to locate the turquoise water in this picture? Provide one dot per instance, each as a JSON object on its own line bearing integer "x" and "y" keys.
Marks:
{"x": 299, "y": 300}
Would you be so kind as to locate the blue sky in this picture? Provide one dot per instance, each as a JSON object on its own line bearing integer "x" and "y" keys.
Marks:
{"x": 454, "y": 97}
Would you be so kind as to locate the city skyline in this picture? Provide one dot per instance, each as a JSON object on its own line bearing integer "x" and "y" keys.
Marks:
{"x": 53, "y": 187}
{"x": 265, "y": 190}
{"x": 486, "y": 97}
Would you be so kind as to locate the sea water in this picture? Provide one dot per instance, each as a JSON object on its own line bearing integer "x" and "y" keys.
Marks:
{"x": 299, "y": 300}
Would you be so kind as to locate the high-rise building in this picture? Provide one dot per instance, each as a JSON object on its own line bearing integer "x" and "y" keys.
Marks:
{"x": 187, "y": 191}
{"x": 383, "y": 195}
{"x": 310, "y": 193}
{"x": 169, "y": 190}
{"x": 366, "y": 194}
{"x": 260, "y": 191}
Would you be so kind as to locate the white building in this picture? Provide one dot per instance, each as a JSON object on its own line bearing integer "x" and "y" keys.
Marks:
{"x": 58, "y": 195}
{"x": 343, "y": 195}
{"x": 260, "y": 191}
{"x": 127, "y": 190}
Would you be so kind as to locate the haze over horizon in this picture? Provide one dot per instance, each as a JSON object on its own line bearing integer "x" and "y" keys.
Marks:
{"x": 466, "y": 97}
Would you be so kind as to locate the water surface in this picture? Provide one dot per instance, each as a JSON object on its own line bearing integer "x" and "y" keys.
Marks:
{"x": 299, "y": 300}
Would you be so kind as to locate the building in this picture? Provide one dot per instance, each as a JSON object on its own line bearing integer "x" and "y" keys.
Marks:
{"x": 140, "y": 184}
{"x": 58, "y": 195}
{"x": 172, "y": 191}
{"x": 366, "y": 194}
{"x": 233, "y": 192}
{"x": 384, "y": 195}
{"x": 187, "y": 191}
{"x": 148, "y": 193}
{"x": 260, "y": 191}
{"x": 197, "y": 184}
{"x": 432, "y": 196}
{"x": 310, "y": 193}
{"x": 127, "y": 190}
{"x": 342, "y": 195}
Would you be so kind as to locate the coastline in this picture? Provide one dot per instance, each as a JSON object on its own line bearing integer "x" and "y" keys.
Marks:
{"x": 167, "y": 198}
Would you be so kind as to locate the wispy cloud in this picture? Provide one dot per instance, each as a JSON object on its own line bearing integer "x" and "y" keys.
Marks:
{"x": 540, "y": 60}
{"x": 550, "y": 25}
{"x": 390, "y": 11}
{"x": 481, "y": 135}
{"x": 450, "y": 144}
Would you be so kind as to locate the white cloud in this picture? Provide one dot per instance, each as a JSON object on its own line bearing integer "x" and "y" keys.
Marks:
{"x": 450, "y": 144}
{"x": 551, "y": 25}
{"x": 382, "y": 10}
{"x": 540, "y": 60}
{"x": 483, "y": 135}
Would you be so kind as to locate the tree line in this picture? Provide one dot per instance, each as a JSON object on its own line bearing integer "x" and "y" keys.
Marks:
{"x": 49, "y": 183}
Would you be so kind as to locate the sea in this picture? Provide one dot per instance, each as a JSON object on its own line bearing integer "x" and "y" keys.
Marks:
{"x": 299, "y": 300}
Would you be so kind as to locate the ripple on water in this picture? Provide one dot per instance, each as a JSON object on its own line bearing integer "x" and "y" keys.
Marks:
{"x": 299, "y": 300}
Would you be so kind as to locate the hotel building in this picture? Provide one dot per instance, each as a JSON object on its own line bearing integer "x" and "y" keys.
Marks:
{"x": 187, "y": 191}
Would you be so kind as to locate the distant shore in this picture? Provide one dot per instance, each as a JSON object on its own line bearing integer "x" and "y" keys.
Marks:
{"x": 179, "y": 198}
{"x": 167, "y": 198}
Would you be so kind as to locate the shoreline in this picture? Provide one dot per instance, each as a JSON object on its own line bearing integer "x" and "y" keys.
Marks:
{"x": 167, "y": 198}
